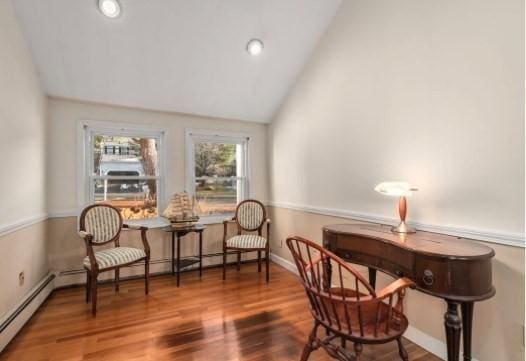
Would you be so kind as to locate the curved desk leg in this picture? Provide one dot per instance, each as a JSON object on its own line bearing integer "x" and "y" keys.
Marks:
{"x": 372, "y": 277}
{"x": 453, "y": 327}
{"x": 467, "y": 323}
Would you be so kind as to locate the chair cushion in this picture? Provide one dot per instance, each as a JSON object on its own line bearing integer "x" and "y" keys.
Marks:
{"x": 102, "y": 222}
{"x": 115, "y": 256}
{"x": 250, "y": 214}
{"x": 247, "y": 241}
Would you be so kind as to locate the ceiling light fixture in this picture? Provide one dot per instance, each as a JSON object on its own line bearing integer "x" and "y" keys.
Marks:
{"x": 110, "y": 8}
{"x": 255, "y": 47}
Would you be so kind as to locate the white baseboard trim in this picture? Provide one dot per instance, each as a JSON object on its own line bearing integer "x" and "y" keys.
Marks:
{"x": 63, "y": 214}
{"x": 15, "y": 319}
{"x": 288, "y": 265}
{"x": 505, "y": 238}
{"x": 422, "y": 339}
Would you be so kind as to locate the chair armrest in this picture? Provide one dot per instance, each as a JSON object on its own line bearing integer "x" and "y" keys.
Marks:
{"x": 225, "y": 228}
{"x": 135, "y": 227}
{"x": 397, "y": 287}
{"x": 144, "y": 239}
{"x": 85, "y": 236}
{"x": 89, "y": 248}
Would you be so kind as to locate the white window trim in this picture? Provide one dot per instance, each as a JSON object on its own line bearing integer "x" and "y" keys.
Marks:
{"x": 214, "y": 136}
{"x": 84, "y": 155}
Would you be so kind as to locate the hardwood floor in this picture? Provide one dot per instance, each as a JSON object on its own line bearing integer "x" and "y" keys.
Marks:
{"x": 242, "y": 318}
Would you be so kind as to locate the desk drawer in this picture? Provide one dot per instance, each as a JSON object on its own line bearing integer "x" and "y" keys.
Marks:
{"x": 375, "y": 253}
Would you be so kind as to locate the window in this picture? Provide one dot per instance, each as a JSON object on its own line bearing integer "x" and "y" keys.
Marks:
{"x": 217, "y": 171}
{"x": 122, "y": 168}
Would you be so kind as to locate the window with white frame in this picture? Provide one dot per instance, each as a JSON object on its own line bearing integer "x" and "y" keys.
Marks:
{"x": 217, "y": 171}
{"x": 122, "y": 167}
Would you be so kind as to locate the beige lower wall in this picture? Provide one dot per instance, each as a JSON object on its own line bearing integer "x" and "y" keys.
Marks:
{"x": 66, "y": 250}
{"x": 497, "y": 328}
{"x": 22, "y": 250}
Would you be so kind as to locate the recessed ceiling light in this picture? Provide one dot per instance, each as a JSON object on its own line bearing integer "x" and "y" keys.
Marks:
{"x": 110, "y": 8}
{"x": 255, "y": 47}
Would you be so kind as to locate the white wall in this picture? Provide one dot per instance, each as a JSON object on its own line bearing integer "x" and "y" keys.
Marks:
{"x": 426, "y": 91}
{"x": 22, "y": 125}
{"x": 22, "y": 180}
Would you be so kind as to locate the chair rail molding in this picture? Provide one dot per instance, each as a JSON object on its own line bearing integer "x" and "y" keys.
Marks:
{"x": 504, "y": 238}
{"x": 6, "y": 228}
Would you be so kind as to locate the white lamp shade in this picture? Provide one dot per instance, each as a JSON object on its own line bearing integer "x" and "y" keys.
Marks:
{"x": 255, "y": 47}
{"x": 397, "y": 189}
{"x": 110, "y": 8}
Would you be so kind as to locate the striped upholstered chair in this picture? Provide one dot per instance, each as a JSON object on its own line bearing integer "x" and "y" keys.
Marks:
{"x": 101, "y": 224}
{"x": 250, "y": 216}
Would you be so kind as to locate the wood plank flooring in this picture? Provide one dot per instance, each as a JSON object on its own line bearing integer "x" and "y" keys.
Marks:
{"x": 205, "y": 319}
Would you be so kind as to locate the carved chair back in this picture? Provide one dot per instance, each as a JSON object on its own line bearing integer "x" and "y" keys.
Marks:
{"x": 341, "y": 299}
{"x": 250, "y": 216}
{"x": 103, "y": 222}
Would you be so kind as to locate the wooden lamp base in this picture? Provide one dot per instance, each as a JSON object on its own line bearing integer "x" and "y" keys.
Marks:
{"x": 402, "y": 227}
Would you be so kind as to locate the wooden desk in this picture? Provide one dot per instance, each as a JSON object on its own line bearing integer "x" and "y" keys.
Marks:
{"x": 180, "y": 232}
{"x": 452, "y": 268}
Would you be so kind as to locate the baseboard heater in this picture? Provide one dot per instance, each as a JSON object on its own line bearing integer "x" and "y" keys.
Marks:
{"x": 16, "y": 319}
{"x": 13, "y": 322}
{"x": 192, "y": 268}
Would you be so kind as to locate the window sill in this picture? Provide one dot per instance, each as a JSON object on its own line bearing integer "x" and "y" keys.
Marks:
{"x": 151, "y": 223}
{"x": 215, "y": 219}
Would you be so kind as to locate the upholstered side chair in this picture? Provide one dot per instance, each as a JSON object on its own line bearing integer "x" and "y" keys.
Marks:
{"x": 357, "y": 313}
{"x": 101, "y": 224}
{"x": 251, "y": 216}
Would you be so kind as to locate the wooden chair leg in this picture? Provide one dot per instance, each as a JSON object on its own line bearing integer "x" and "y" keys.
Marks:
{"x": 401, "y": 350}
{"x": 88, "y": 286}
{"x": 94, "y": 294}
{"x": 358, "y": 348}
{"x": 238, "y": 261}
{"x": 146, "y": 276}
{"x": 224, "y": 263}
{"x": 267, "y": 264}
{"x": 311, "y": 343}
{"x": 117, "y": 280}
{"x": 259, "y": 261}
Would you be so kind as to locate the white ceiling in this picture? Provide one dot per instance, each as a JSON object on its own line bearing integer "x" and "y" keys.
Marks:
{"x": 178, "y": 55}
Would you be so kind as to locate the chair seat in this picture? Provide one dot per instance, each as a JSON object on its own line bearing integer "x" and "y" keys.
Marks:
{"x": 115, "y": 256}
{"x": 247, "y": 241}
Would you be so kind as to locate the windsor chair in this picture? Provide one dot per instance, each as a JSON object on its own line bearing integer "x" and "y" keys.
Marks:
{"x": 355, "y": 313}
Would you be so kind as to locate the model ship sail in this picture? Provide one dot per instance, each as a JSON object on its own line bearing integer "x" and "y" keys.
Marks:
{"x": 181, "y": 208}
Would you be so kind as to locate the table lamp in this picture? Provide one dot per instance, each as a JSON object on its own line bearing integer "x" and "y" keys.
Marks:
{"x": 402, "y": 190}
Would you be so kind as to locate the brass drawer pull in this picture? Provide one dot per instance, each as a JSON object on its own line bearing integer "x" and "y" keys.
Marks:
{"x": 428, "y": 278}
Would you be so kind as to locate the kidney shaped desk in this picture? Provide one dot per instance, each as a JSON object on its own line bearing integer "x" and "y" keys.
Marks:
{"x": 452, "y": 268}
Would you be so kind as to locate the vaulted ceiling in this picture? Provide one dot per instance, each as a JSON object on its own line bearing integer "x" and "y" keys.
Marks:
{"x": 186, "y": 56}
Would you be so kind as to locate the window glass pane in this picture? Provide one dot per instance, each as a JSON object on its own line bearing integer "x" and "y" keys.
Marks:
{"x": 117, "y": 156}
{"x": 132, "y": 196}
{"x": 216, "y": 195}
{"x": 216, "y": 182}
{"x": 125, "y": 154}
